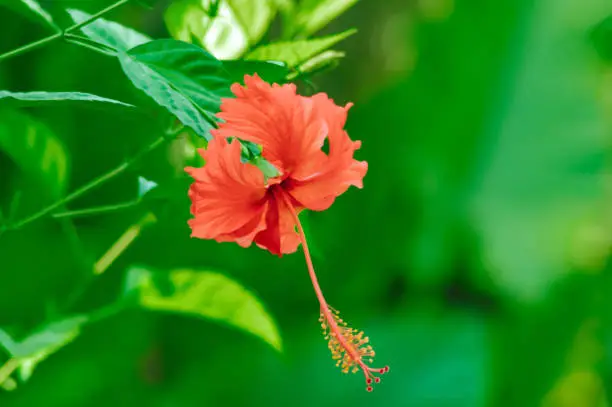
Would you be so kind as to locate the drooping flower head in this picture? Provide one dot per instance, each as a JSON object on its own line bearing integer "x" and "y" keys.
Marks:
{"x": 233, "y": 201}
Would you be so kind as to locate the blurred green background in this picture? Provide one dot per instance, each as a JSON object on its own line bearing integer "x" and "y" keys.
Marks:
{"x": 477, "y": 257}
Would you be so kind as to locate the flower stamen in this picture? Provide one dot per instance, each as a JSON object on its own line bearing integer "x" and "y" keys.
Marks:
{"x": 350, "y": 348}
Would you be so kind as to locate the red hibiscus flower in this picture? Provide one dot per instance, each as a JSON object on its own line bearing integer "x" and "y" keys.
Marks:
{"x": 232, "y": 201}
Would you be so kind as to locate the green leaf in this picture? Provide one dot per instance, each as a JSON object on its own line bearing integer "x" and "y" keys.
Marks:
{"x": 31, "y": 9}
{"x": 38, "y": 346}
{"x": 205, "y": 294}
{"x": 49, "y": 338}
{"x": 228, "y": 32}
{"x": 322, "y": 62}
{"x": 9, "y": 384}
{"x": 268, "y": 71}
{"x": 253, "y": 16}
{"x": 35, "y": 149}
{"x": 181, "y": 77}
{"x": 316, "y": 14}
{"x": 544, "y": 162}
{"x": 109, "y": 33}
{"x": 54, "y": 98}
{"x": 144, "y": 186}
{"x": 294, "y": 53}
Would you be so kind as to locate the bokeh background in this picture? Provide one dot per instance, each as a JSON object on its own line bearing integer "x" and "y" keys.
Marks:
{"x": 476, "y": 257}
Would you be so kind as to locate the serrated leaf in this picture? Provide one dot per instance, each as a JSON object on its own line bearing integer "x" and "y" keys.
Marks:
{"x": 316, "y": 14}
{"x": 181, "y": 77}
{"x": 205, "y": 294}
{"x": 160, "y": 90}
{"x": 227, "y": 32}
{"x": 35, "y": 149}
{"x": 294, "y": 53}
{"x": 31, "y": 9}
{"x": 109, "y": 33}
{"x": 54, "y": 98}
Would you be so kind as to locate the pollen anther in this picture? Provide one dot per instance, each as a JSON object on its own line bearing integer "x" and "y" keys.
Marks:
{"x": 349, "y": 347}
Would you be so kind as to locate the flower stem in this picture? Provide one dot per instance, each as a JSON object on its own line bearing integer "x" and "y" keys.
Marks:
{"x": 93, "y": 184}
{"x": 325, "y": 309}
{"x": 56, "y": 36}
{"x": 311, "y": 271}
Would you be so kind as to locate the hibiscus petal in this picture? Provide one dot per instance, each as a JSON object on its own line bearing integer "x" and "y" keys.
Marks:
{"x": 280, "y": 237}
{"x": 228, "y": 196}
{"x": 316, "y": 183}
{"x": 292, "y": 130}
{"x": 283, "y": 123}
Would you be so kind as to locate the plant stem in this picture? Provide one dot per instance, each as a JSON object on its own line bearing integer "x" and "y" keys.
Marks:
{"x": 8, "y": 368}
{"x": 91, "y": 44}
{"x": 44, "y": 41}
{"x": 31, "y": 46}
{"x": 96, "y": 16}
{"x": 85, "y": 188}
{"x": 125, "y": 240}
{"x": 95, "y": 210}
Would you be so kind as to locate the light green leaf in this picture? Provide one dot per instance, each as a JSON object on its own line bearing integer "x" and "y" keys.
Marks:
{"x": 37, "y": 347}
{"x": 35, "y": 149}
{"x": 181, "y": 77}
{"x": 31, "y": 8}
{"x": 205, "y": 294}
{"x": 324, "y": 61}
{"x": 144, "y": 186}
{"x": 7, "y": 342}
{"x": 253, "y": 16}
{"x": 316, "y": 14}
{"x": 542, "y": 170}
{"x": 294, "y": 53}
{"x": 109, "y": 33}
{"x": 9, "y": 384}
{"x": 49, "y": 338}
{"x": 54, "y": 98}
{"x": 227, "y": 32}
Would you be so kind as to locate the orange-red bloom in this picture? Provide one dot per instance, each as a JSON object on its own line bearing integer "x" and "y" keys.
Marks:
{"x": 232, "y": 201}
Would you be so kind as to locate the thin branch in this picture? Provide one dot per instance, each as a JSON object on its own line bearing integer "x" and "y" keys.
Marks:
{"x": 93, "y": 184}
{"x": 44, "y": 41}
